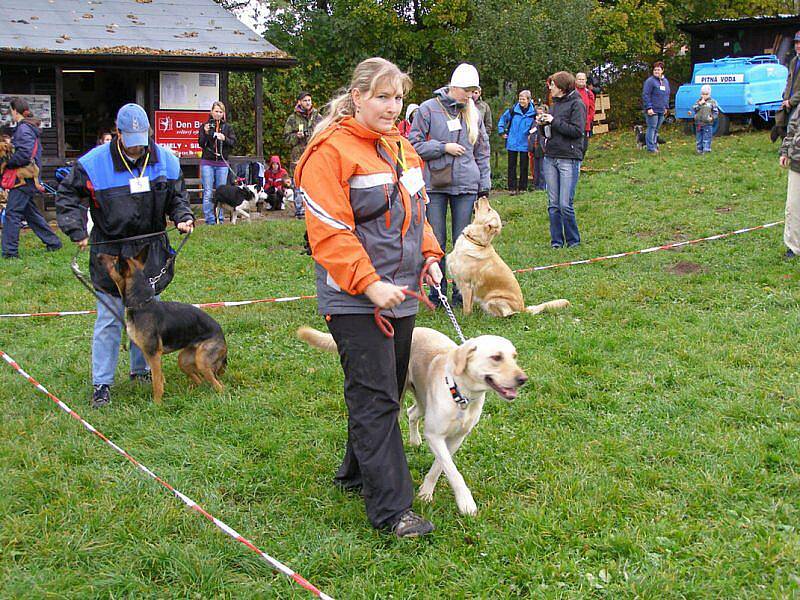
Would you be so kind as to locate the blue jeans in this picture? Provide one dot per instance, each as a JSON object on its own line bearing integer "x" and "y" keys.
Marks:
{"x": 460, "y": 214}
{"x": 654, "y": 122}
{"x": 561, "y": 175}
{"x": 20, "y": 207}
{"x": 106, "y": 340}
{"x": 703, "y": 135}
{"x": 212, "y": 178}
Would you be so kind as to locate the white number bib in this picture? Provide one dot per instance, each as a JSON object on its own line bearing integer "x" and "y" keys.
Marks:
{"x": 412, "y": 180}
{"x": 139, "y": 185}
{"x": 453, "y": 125}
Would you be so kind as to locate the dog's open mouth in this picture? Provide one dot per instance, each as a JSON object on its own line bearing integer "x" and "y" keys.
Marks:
{"x": 507, "y": 393}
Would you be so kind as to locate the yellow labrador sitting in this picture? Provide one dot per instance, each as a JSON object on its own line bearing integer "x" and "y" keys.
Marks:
{"x": 449, "y": 383}
{"x": 482, "y": 275}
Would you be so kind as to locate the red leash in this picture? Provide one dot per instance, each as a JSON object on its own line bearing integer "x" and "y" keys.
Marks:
{"x": 384, "y": 324}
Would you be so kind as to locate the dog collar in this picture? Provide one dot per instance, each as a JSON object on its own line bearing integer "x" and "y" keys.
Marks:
{"x": 473, "y": 241}
{"x": 458, "y": 397}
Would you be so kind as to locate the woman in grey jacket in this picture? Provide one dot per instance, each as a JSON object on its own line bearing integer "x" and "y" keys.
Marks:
{"x": 452, "y": 140}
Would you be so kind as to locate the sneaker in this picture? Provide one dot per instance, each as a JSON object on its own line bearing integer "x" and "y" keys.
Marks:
{"x": 101, "y": 396}
{"x": 11, "y": 256}
{"x": 348, "y": 487}
{"x": 789, "y": 254}
{"x": 53, "y": 248}
{"x": 411, "y": 524}
{"x": 145, "y": 377}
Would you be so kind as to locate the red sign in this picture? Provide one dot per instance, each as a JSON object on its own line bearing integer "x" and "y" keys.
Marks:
{"x": 177, "y": 130}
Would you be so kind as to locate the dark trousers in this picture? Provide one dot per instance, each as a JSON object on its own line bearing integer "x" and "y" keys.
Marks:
{"x": 538, "y": 173}
{"x": 513, "y": 159}
{"x": 375, "y": 370}
{"x": 20, "y": 207}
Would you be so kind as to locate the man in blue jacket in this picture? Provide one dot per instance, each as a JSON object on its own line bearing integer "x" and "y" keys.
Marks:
{"x": 131, "y": 185}
{"x": 513, "y": 126}
{"x": 20, "y": 207}
{"x": 655, "y": 102}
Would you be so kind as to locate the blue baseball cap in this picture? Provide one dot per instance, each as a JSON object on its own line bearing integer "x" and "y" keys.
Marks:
{"x": 133, "y": 125}
{"x": 797, "y": 37}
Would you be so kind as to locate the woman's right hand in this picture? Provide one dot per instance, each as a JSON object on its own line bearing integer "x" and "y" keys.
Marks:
{"x": 385, "y": 295}
{"x": 454, "y": 149}
{"x": 784, "y": 161}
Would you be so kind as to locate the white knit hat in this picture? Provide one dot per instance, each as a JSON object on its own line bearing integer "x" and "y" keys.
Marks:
{"x": 410, "y": 109}
{"x": 465, "y": 76}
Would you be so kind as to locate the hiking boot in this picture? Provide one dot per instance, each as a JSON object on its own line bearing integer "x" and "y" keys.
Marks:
{"x": 145, "y": 377}
{"x": 348, "y": 486}
{"x": 101, "y": 396}
{"x": 411, "y": 524}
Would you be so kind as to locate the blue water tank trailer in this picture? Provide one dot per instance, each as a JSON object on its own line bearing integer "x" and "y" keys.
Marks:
{"x": 746, "y": 89}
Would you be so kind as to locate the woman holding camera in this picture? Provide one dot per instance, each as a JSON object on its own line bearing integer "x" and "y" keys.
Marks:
{"x": 564, "y": 129}
{"x": 216, "y": 139}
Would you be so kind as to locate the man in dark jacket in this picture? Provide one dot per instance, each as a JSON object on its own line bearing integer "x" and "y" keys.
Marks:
{"x": 655, "y": 102}
{"x": 791, "y": 95}
{"x": 299, "y": 127}
{"x": 20, "y": 206}
{"x": 131, "y": 185}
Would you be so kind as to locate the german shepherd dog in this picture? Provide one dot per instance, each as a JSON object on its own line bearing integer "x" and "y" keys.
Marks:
{"x": 162, "y": 327}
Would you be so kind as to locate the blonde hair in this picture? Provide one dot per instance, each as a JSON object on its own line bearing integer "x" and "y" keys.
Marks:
{"x": 368, "y": 75}
{"x": 472, "y": 118}
{"x": 222, "y": 106}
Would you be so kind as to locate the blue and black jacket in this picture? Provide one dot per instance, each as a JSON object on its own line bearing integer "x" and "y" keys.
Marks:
{"x": 100, "y": 179}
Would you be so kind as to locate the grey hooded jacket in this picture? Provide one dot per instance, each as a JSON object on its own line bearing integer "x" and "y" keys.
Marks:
{"x": 429, "y": 134}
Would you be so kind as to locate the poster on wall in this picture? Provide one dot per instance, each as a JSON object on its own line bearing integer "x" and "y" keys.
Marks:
{"x": 177, "y": 130}
{"x": 188, "y": 91}
{"x": 40, "y": 106}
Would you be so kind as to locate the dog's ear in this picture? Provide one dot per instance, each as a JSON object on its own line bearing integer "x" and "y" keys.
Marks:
{"x": 109, "y": 262}
{"x": 461, "y": 357}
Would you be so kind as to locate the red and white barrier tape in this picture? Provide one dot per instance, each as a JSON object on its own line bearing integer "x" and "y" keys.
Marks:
{"x": 585, "y": 261}
{"x": 275, "y": 564}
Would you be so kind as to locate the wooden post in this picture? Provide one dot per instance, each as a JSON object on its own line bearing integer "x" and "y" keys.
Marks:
{"x": 60, "y": 140}
{"x": 259, "y": 102}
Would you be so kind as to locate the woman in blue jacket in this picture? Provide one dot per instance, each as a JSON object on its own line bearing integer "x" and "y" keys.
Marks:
{"x": 514, "y": 125}
{"x": 655, "y": 102}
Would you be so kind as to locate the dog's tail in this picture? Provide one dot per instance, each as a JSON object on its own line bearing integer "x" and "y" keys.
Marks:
{"x": 553, "y": 305}
{"x": 318, "y": 339}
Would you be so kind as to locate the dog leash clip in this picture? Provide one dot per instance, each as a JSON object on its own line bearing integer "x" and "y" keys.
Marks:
{"x": 449, "y": 310}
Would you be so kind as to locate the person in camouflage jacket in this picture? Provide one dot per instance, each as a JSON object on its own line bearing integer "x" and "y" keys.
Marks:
{"x": 790, "y": 157}
{"x": 299, "y": 127}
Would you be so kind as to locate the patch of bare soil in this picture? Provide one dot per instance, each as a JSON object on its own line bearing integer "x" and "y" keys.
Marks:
{"x": 685, "y": 267}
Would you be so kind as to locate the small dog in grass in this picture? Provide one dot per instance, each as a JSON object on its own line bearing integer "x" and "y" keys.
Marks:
{"x": 480, "y": 273}
{"x": 237, "y": 199}
{"x": 641, "y": 141}
{"x": 159, "y": 328}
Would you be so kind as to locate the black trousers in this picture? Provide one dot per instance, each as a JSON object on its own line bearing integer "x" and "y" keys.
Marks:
{"x": 375, "y": 369}
{"x": 274, "y": 198}
{"x": 513, "y": 159}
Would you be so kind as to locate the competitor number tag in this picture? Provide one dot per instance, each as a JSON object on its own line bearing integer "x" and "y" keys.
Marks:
{"x": 412, "y": 180}
{"x": 139, "y": 185}
{"x": 663, "y": 88}
{"x": 453, "y": 125}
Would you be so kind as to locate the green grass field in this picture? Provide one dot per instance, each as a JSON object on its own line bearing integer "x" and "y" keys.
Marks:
{"x": 653, "y": 454}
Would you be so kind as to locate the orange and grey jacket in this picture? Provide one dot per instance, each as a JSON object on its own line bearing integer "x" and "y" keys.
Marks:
{"x": 363, "y": 225}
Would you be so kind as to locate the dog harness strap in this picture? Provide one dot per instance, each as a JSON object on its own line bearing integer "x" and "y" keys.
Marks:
{"x": 458, "y": 398}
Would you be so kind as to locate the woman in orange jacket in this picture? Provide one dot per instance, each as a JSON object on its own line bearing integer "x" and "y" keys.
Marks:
{"x": 365, "y": 214}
